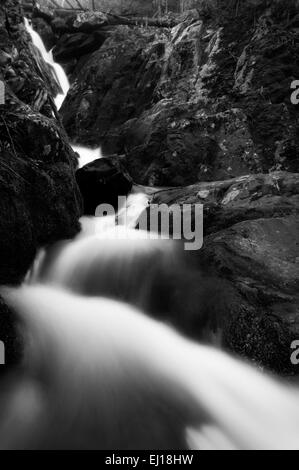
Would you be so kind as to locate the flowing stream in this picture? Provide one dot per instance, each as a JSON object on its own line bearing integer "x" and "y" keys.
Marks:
{"x": 103, "y": 359}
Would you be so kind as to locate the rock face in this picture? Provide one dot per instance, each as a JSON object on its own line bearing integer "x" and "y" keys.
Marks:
{"x": 39, "y": 199}
{"x": 237, "y": 200}
{"x": 45, "y": 31}
{"x": 105, "y": 91}
{"x": 73, "y": 46}
{"x": 207, "y": 100}
{"x": 101, "y": 182}
{"x": 261, "y": 259}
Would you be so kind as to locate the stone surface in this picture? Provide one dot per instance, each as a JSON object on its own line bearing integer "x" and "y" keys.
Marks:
{"x": 261, "y": 260}
{"x": 73, "y": 46}
{"x": 104, "y": 90}
{"x": 232, "y": 201}
{"x": 102, "y": 182}
{"x": 207, "y": 100}
{"x": 45, "y": 31}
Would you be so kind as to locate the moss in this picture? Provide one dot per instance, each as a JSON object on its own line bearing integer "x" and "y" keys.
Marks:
{"x": 263, "y": 339}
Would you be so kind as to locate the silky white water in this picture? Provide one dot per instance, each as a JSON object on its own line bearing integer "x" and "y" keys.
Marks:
{"x": 127, "y": 217}
{"x": 101, "y": 374}
{"x": 87, "y": 155}
{"x": 61, "y": 76}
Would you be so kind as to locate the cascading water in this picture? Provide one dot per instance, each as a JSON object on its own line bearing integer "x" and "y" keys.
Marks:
{"x": 136, "y": 202}
{"x": 101, "y": 374}
{"x": 87, "y": 155}
{"x": 48, "y": 58}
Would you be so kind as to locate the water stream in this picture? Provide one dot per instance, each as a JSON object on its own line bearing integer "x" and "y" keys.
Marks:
{"x": 108, "y": 368}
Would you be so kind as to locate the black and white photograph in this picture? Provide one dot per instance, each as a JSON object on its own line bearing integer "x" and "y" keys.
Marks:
{"x": 149, "y": 228}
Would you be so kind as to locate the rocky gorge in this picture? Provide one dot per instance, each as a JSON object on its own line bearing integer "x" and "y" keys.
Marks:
{"x": 198, "y": 105}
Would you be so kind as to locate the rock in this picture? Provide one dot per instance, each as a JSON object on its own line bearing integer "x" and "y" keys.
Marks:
{"x": 261, "y": 260}
{"x": 251, "y": 244}
{"x": 45, "y": 31}
{"x": 207, "y": 100}
{"x": 172, "y": 145}
{"x": 106, "y": 83}
{"x": 4, "y": 58}
{"x": 229, "y": 202}
{"x": 12, "y": 342}
{"x": 102, "y": 182}
{"x": 40, "y": 202}
{"x": 74, "y": 46}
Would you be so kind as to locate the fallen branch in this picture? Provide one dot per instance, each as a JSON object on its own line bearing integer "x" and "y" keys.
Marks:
{"x": 89, "y": 21}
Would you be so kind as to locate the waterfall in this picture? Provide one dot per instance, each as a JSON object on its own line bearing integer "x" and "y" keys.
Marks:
{"x": 60, "y": 74}
{"x": 102, "y": 370}
{"x": 87, "y": 155}
{"x": 121, "y": 229}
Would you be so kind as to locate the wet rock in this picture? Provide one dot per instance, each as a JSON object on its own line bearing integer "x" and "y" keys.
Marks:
{"x": 45, "y": 30}
{"x": 251, "y": 242}
{"x": 229, "y": 202}
{"x": 261, "y": 260}
{"x": 74, "y": 46}
{"x": 177, "y": 145}
{"x": 102, "y": 182}
{"x": 207, "y": 100}
{"x": 104, "y": 90}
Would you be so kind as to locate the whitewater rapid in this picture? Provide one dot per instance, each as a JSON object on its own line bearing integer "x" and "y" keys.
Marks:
{"x": 101, "y": 374}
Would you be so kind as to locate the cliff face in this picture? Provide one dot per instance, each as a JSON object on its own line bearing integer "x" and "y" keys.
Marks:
{"x": 209, "y": 99}
{"x": 39, "y": 198}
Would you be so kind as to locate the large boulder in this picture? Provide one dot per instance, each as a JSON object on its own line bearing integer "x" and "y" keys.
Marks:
{"x": 73, "y": 46}
{"x": 172, "y": 145}
{"x": 102, "y": 182}
{"x": 105, "y": 91}
{"x": 261, "y": 260}
{"x": 229, "y": 202}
